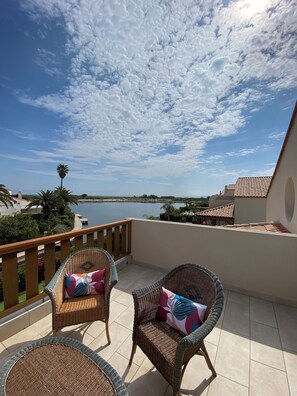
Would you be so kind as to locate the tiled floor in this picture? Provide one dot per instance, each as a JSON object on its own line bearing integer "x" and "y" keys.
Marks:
{"x": 253, "y": 347}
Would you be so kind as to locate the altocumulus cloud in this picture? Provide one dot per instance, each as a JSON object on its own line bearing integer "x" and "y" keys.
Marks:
{"x": 151, "y": 83}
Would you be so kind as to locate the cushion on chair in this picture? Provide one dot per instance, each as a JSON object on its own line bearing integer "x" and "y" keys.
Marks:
{"x": 179, "y": 312}
{"x": 77, "y": 285}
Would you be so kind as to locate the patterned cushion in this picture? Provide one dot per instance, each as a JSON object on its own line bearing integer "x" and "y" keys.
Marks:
{"x": 179, "y": 312}
{"x": 77, "y": 285}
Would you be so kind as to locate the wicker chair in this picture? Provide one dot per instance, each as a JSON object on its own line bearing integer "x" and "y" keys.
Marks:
{"x": 67, "y": 312}
{"x": 169, "y": 350}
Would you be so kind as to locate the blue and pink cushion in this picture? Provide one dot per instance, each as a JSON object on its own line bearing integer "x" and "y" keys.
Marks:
{"x": 179, "y": 312}
{"x": 77, "y": 285}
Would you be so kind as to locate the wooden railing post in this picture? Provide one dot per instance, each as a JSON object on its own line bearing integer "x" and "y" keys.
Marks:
{"x": 10, "y": 280}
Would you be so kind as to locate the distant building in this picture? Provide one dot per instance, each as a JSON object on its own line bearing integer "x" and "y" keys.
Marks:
{"x": 265, "y": 202}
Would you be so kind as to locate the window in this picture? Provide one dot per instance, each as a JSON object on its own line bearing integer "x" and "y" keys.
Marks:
{"x": 289, "y": 199}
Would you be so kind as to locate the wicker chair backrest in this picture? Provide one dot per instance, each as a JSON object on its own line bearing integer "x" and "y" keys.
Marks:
{"x": 193, "y": 282}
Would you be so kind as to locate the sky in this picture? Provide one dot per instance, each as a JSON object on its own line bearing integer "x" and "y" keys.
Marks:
{"x": 174, "y": 97}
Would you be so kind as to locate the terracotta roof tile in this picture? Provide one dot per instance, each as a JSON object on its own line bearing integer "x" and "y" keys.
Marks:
{"x": 269, "y": 227}
{"x": 223, "y": 211}
{"x": 252, "y": 187}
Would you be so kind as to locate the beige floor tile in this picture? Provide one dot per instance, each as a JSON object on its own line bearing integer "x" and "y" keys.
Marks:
{"x": 291, "y": 366}
{"x": 120, "y": 364}
{"x": 222, "y": 386}
{"x": 125, "y": 299}
{"x": 4, "y": 354}
{"x": 147, "y": 382}
{"x": 115, "y": 310}
{"x": 238, "y": 298}
{"x": 237, "y": 318}
{"x": 118, "y": 335}
{"x": 20, "y": 339}
{"x": 214, "y": 336}
{"x": 197, "y": 376}
{"x": 266, "y": 345}
{"x": 262, "y": 311}
{"x": 95, "y": 329}
{"x": 233, "y": 357}
{"x": 287, "y": 324}
{"x": 266, "y": 380}
{"x": 82, "y": 336}
{"x": 126, "y": 318}
{"x": 125, "y": 350}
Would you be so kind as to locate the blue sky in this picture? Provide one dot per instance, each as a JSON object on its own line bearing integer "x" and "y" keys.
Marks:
{"x": 144, "y": 97}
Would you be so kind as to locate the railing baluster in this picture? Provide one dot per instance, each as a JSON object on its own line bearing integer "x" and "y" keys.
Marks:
{"x": 10, "y": 280}
{"x": 116, "y": 242}
{"x": 124, "y": 239}
{"x": 90, "y": 240}
{"x": 129, "y": 238}
{"x": 100, "y": 239}
{"x": 78, "y": 242}
{"x": 65, "y": 248}
{"x": 31, "y": 267}
{"x": 49, "y": 262}
{"x": 109, "y": 240}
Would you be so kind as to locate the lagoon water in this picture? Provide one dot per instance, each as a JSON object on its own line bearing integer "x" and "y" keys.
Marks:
{"x": 107, "y": 212}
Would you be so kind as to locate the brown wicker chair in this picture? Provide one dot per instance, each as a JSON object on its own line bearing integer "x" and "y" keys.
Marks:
{"x": 167, "y": 349}
{"x": 67, "y": 312}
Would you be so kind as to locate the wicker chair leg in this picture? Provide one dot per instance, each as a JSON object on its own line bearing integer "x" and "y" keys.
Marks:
{"x": 107, "y": 332}
{"x": 132, "y": 353}
{"x": 208, "y": 361}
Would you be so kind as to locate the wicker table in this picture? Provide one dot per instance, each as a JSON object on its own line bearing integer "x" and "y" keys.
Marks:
{"x": 59, "y": 366}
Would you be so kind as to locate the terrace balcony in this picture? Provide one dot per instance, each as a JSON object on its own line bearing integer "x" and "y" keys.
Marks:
{"x": 253, "y": 346}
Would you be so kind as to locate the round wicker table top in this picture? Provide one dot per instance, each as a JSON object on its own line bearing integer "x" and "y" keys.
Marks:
{"x": 59, "y": 366}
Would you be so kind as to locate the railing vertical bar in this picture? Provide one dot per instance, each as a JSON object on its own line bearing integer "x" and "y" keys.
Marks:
{"x": 116, "y": 242}
{"x": 10, "y": 280}
{"x": 49, "y": 262}
{"x": 129, "y": 238}
{"x": 31, "y": 268}
{"x": 124, "y": 240}
{"x": 65, "y": 248}
{"x": 90, "y": 240}
{"x": 78, "y": 242}
{"x": 100, "y": 239}
{"x": 109, "y": 241}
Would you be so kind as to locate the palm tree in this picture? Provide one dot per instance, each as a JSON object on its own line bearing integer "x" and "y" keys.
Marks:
{"x": 62, "y": 172}
{"x": 47, "y": 200}
{"x": 5, "y": 197}
{"x": 64, "y": 198}
{"x": 169, "y": 209}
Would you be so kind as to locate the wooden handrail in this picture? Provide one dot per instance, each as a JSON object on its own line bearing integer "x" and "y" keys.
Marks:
{"x": 30, "y": 243}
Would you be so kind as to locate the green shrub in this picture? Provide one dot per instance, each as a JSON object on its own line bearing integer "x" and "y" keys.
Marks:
{"x": 18, "y": 228}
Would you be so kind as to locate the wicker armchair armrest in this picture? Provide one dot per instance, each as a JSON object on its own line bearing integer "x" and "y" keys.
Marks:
{"x": 55, "y": 288}
{"x": 146, "y": 302}
{"x": 113, "y": 280}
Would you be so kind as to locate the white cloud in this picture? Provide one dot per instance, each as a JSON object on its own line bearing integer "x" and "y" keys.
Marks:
{"x": 151, "y": 84}
{"x": 276, "y": 135}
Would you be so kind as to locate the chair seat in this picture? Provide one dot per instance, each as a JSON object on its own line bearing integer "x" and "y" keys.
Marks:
{"x": 90, "y": 301}
{"x": 159, "y": 337}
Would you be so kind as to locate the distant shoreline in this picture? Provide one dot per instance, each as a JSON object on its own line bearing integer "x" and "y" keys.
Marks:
{"x": 124, "y": 200}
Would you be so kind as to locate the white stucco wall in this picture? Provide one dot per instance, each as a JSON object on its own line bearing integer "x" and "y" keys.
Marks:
{"x": 249, "y": 210}
{"x": 287, "y": 168}
{"x": 261, "y": 263}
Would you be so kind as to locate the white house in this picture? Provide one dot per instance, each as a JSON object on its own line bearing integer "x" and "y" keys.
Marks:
{"x": 281, "y": 199}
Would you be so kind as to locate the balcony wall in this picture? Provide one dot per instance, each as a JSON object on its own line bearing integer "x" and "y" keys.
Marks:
{"x": 262, "y": 264}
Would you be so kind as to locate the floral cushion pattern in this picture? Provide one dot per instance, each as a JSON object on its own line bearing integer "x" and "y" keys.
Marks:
{"x": 179, "y": 312}
{"x": 77, "y": 285}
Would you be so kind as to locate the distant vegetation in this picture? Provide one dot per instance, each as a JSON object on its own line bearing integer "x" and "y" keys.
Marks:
{"x": 56, "y": 216}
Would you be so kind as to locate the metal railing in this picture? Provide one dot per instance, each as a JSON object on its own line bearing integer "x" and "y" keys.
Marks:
{"x": 114, "y": 237}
